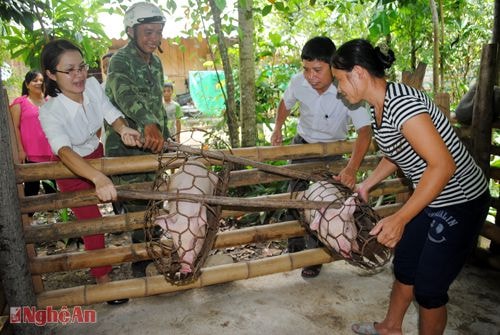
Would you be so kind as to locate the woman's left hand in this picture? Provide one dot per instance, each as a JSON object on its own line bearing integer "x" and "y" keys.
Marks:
{"x": 104, "y": 188}
{"x": 389, "y": 231}
{"x": 130, "y": 137}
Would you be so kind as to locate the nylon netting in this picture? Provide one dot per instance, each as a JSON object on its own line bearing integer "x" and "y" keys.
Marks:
{"x": 188, "y": 228}
{"x": 343, "y": 224}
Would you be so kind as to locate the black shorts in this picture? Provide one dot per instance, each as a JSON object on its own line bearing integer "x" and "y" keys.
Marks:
{"x": 434, "y": 248}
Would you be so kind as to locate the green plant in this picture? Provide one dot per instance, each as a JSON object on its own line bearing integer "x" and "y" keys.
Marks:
{"x": 68, "y": 19}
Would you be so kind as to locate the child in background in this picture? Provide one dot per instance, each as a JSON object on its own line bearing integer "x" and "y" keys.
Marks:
{"x": 173, "y": 109}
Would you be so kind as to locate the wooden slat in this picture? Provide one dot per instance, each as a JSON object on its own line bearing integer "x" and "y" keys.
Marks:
{"x": 137, "y": 251}
{"x": 148, "y": 286}
{"x": 149, "y": 163}
{"x": 237, "y": 179}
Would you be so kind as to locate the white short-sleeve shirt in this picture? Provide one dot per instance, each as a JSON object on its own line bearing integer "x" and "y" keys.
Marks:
{"x": 68, "y": 123}
{"x": 323, "y": 117}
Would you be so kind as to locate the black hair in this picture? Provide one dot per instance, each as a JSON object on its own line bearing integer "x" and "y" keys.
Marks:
{"x": 361, "y": 52}
{"x": 319, "y": 48}
{"x": 168, "y": 84}
{"x": 51, "y": 55}
{"x": 28, "y": 78}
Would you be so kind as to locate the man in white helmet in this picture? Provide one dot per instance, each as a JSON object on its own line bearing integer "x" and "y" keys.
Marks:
{"x": 135, "y": 86}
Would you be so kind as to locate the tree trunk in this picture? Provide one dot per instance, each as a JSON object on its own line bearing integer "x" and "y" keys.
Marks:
{"x": 441, "y": 62}
{"x": 482, "y": 114}
{"x": 247, "y": 75}
{"x": 14, "y": 269}
{"x": 435, "y": 62}
{"x": 232, "y": 120}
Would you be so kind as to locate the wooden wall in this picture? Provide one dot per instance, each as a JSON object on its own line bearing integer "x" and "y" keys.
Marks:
{"x": 178, "y": 58}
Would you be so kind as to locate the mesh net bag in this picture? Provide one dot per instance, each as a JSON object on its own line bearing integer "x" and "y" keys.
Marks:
{"x": 343, "y": 224}
{"x": 188, "y": 228}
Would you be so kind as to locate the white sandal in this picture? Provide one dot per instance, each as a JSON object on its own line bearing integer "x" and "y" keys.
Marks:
{"x": 365, "y": 328}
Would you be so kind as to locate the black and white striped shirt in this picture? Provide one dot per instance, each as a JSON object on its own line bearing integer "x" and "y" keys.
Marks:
{"x": 402, "y": 103}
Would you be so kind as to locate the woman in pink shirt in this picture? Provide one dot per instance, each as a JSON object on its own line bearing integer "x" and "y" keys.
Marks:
{"x": 32, "y": 145}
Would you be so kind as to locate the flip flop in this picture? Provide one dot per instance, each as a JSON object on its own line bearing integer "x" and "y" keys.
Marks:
{"x": 365, "y": 328}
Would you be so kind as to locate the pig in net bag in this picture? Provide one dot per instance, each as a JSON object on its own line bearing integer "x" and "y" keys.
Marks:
{"x": 188, "y": 227}
{"x": 343, "y": 224}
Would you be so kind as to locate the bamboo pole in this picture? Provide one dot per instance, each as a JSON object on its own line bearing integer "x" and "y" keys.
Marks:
{"x": 263, "y": 202}
{"x": 222, "y": 156}
{"x": 84, "y": 198}
{"x": 69, "y": 199}
{"x": 62, "y": 230}
{"x": 255, "y": 176}
{"x": 135, "y": 220}
{"x": 149, "y": 163}
{"x": 148, "y": 286}
{"x": 136, "y": 252}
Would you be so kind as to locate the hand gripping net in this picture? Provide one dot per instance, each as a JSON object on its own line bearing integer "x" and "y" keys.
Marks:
{"x": 343, "y": 225}
{"x": 188, "y": 228}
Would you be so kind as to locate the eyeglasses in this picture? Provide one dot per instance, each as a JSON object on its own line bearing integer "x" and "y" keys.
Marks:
{"x": 73, "y": 72}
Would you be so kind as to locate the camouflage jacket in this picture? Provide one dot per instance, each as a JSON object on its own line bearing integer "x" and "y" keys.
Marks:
{"x": 136, "y": 89}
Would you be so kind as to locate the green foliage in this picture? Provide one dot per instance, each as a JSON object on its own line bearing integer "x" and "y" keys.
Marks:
{"x": 281, "y": 28}
{"x": 466, "y": 29}
{"x": 21, "y": 12}
{"x": 271, "y": 82}
{"x": 70, "y": 19}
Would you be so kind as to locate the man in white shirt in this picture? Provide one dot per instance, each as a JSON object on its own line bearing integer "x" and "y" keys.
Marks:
{"x": 324, "y": 117}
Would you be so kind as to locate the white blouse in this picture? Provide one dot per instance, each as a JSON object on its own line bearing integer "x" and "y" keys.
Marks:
{"x": 68, "y": 123}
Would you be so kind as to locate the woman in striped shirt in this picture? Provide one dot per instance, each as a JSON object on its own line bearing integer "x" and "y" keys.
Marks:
{"x": 436, "y": 228}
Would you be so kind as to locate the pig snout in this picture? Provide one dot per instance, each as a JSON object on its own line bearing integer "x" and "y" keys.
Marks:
{"x": 161, "y": 221}
{"x": 187, "y": 233}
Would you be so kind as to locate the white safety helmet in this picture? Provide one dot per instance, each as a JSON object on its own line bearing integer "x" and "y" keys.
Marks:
{"x": 142, "y": 12}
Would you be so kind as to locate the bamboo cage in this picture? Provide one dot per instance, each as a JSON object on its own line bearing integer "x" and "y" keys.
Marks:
{"x": 40, "y": 265}
{"x": 142, "y": 287}
{"x": 89, "y": 294}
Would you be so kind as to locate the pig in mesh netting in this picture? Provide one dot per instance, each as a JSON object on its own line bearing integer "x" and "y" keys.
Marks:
{"x": 188, "y": 227}
{"x": 343, "y": 224}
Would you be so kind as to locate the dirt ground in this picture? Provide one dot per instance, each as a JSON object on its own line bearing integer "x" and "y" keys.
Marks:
{"x": 285, "y": 303}
{"x": 278, "y": 304}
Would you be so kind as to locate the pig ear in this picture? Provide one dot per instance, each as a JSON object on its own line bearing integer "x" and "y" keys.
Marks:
{"x": 350, "y": 205}
{"x": 161, "y": 221}
{"x": 314, "y": 225}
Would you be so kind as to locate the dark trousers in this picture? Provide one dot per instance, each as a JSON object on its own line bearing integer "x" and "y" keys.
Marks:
{"x": 308, "y": 241}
